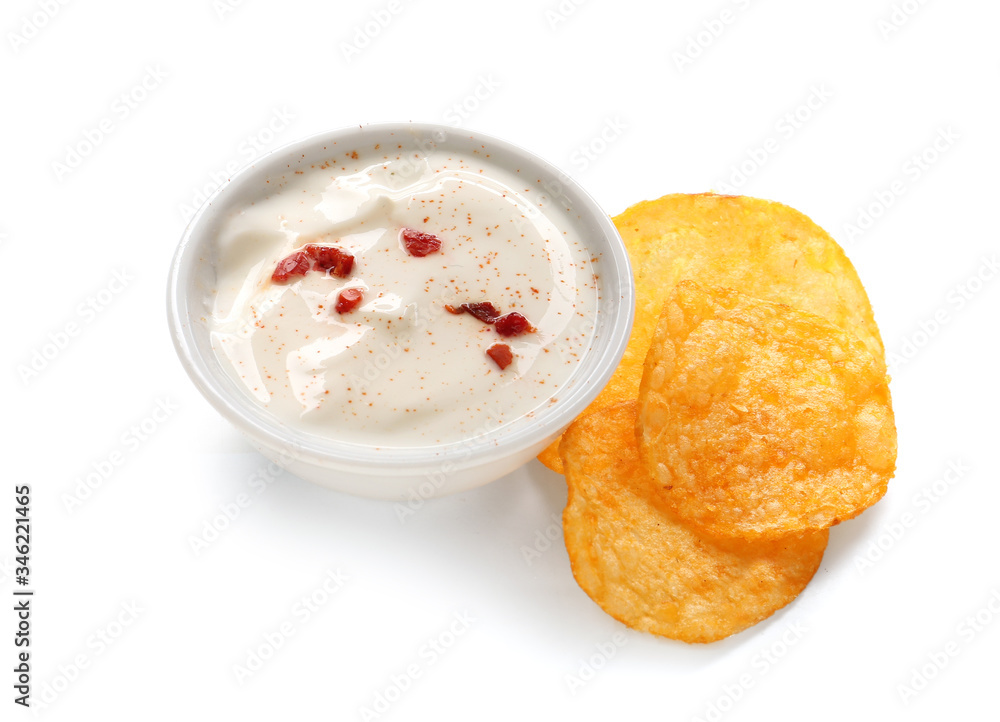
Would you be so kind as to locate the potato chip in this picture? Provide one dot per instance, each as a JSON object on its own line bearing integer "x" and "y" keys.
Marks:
{"x": 761, "y": 248}
{"x": 649, "y": 570}
{"x": 758, "y": 420}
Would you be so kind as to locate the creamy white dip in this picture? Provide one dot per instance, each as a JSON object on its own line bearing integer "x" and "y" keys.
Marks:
{"x": 400, "y": 370}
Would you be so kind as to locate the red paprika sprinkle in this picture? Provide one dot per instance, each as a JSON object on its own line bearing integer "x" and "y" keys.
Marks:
{"x": 419, "y": 244}
{"x": 348, "y": 299}
{"x": 512, "y": 324}
{"x": 297, "y": 264}
{"x": 501, "y": 355}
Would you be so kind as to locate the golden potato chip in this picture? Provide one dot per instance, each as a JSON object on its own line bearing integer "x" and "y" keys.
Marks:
{"x": 550, "y": 454}
{"x": 649, "y": 570}
{"x": 764, "y": 249}
{"x": 757, "y": 420}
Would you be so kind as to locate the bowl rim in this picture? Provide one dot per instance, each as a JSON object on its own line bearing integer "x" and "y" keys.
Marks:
{"x": 266, "y": 429}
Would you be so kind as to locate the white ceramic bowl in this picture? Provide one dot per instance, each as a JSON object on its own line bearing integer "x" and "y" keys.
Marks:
{"x": 397, "y": 473}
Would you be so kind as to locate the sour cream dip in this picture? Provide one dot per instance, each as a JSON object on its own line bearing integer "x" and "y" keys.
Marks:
{"x": 397, "y": 351}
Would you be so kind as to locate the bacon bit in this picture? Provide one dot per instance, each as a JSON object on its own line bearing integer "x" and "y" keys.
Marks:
{"x": 485, "y": 312}
{"x": 419, "y": 244}
{"x": 297, "y": 264}
{"x": 512, "y": 324}
{"x": 333, "y": 259}
{"x": 501, "y": 355}
{"x": 348, "y": 299}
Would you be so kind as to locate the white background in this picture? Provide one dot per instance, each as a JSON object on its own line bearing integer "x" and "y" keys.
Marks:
{"x": 179, "y": 621}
